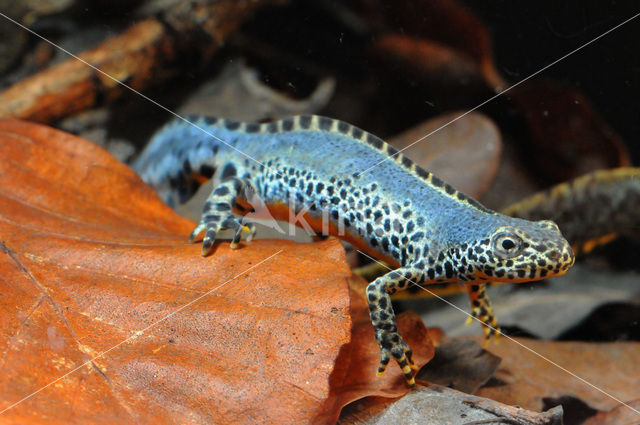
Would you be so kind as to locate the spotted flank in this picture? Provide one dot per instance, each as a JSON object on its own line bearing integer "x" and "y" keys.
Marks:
{"x": 311, "y": 166}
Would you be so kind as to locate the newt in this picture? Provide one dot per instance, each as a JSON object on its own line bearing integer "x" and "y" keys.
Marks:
{"x": 591, "y": 210}
{"x": 311, "y": 166}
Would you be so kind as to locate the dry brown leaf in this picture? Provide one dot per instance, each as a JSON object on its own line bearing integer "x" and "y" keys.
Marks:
{"x": 471, "y": 143}
{"x": 524, "y": 379}
{"x": 90, "y": 256}
{"x": 434, "y": 404}
{"x": 620, "y": 415}
{"x": 355, "y": 374}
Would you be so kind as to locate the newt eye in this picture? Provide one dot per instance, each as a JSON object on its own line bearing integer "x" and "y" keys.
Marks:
{"x": 507, "y": 245}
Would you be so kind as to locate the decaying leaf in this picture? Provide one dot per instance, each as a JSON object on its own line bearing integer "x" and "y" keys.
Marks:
{"x": 434, "y": 404}
{"x": 90, "y": 256}
{"x": 447, "y": 144}
{"x": 524, "y": 378}
{"x": 355, "y": 374}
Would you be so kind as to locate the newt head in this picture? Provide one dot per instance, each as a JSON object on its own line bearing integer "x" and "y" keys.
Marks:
{"x": 520, "y": 252}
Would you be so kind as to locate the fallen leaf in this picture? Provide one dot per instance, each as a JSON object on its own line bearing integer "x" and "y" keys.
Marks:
{"x": 460, "y": 364}
{"x": 434, "y": 404}
{"x": 355, "y": 374}
{"x": 618, "y": 415}
{"x": 93, "y": 263}
{"x": 471, "y": 143}
{"x": 524, "y": 378}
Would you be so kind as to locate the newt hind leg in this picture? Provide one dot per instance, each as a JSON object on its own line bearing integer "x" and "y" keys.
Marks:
{"x": 217, "y": 214}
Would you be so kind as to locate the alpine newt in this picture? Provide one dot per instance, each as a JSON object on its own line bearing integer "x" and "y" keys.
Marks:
{"x": 398, "y": 212}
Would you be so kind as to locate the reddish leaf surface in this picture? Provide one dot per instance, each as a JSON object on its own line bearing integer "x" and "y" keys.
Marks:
{"x": 355, "y": 374}
{"x": 90, "y": 256}
{"x": 619, "y": 415}
{"x": 524, "y": 379}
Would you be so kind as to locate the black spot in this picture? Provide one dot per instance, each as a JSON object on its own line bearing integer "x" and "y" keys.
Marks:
{"x": 211, "y": 120}
{"x": 391, "y": 151}
{"x": 207, "y": 170}
{"x": 335, "y": 214}
{"x": 356, "y": 133}
{"x": 287, "y": 124}
{"x": 335, "y": 200}
{"x": 450, "y": 190}
{"x": 385, "y": 244}
{"x": 437, "y": 182}
{"x": 228, "y": 171}
{"x": 272, "y": 127}
{"x": 448, "y": 269}
{"x": 252, "y": 128}
{"x": 343, "y": 127}
{"x": 305, "y": 121}
{"x": 417, "y": 236}
{"x": 374, "y": 141}
{"x": 330, "y": 190}
{"x": 325, "y": 123}
{"x": 383, "y": 303}
{"x": 221, "y": 191}
{"x": 431, "y": 273}
{"x": 231, "y": 125}
{"x": 387, "y": 225}
{"x": 309, "y": 189}
{"x": 406, "y": 162}
{"x": 222, "y": 206}
{"x": 410, "y": 226}
{"x": 292, "y": 182}
{"x": 395, "y": 241}
{"x": 422, "y": 173}
{"x": 319, "y": 188}
{"x": 343, "y": 193}
{"x": 521, "y": 273}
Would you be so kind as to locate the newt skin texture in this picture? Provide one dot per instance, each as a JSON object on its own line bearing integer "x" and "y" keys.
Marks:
{"x": 396, "y": 211}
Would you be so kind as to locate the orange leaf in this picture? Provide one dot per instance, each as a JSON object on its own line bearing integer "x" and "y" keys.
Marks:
{"x": 90, "y": 256}
{"x": 355, "y": 374}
